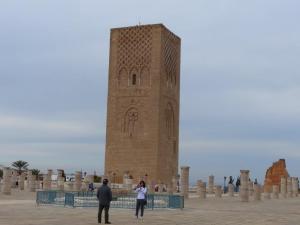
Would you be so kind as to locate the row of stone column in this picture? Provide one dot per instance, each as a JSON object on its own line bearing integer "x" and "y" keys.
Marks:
{"x": 10, "y": 178}
{"x": 289, "y": 187}
{"x": 76, "y": 186}
{"x": 248, "y": 188}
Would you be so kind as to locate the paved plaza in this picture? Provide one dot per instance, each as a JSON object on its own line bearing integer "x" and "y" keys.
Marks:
{"x": 20, "y": 209}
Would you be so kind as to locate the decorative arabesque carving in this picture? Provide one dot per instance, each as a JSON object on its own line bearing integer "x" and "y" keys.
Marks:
{"x": 170, "y": 55}
{"x": 145, "y": 77}
{"x": 170, "y": 120}
{"x": 130, "y": 122}
{"x": 134, "y": 55}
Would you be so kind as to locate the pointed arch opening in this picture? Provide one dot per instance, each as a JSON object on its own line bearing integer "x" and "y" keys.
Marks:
{"x": 130, "y": 122}
{"x": 122, "y": 77}
{"x": 133, "y": 78}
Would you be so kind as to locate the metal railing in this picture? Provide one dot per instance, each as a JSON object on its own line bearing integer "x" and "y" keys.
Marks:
{"x": 50, "y": 197}
{"x": 89, "y": 199}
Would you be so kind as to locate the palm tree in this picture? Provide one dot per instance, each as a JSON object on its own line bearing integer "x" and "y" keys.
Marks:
{"x": 35, "y": 172}
{"x": 20, "y": 165}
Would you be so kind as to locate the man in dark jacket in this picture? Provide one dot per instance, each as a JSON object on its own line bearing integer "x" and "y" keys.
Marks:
{"x": 104, "y": 196}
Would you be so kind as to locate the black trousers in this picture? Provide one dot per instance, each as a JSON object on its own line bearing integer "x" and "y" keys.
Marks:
{"x": 106, "y": 208}
{"x": 140, "y": 203}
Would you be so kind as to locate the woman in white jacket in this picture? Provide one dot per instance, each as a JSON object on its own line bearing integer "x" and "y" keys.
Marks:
{"x": 141, "y": 200}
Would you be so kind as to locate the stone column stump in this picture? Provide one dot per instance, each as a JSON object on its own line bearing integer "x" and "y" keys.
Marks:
{"x": 267, "y": 194}
{"x": 47, "y": 180}
{"x": 14, "y": 179}
{"x": 31, "y": 181}
{"x": 289, "y": 187}
{"x": 160, "y": 187}
{"x": 174, "y": 184}
{"x": 69, "y": 186}
{"x": 211, "y": 184}
{"x": 218, "y": 191}
{"x": 244, "y": 192}
{"x": 201, "y": 189}
{"x": 275, "y": 192}
{"x": 257, "y": 192}
{"x": 6, "y": 189}
{"x": 251, "y": 188}
{"x": 127, "y": 182}
{"x": 60, "y": 180}
{"x": 295, "y": 186}
{"x": 184, "y": 180}
{"x": 230, "y": 190}
{"x": 78, "y": 181}
{"x": 283, "y": 187}
{"x": 21, "y": 181}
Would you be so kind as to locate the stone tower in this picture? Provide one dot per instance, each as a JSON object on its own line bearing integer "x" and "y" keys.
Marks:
{"x": 143, "y": 104}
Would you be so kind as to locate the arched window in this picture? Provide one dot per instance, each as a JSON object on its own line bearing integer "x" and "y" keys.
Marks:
{"x": 122, "y": 78}
{"x": 134, "y": 79}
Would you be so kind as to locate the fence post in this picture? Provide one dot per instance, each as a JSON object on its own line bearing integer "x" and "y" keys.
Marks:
{"x": 66, "y": 199}
{"x": 73, "y": 200}
{"x": 37, "y": 198}
{"x": 70, "y": 199}
{"x": 152, "y": 199}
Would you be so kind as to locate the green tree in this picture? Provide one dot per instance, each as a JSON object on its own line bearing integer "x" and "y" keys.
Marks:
{"x": 20, "y": 165}
{"x": 97, "y": 179}
{"x": 35, "y": 172}
{"x": 1, "y": 173}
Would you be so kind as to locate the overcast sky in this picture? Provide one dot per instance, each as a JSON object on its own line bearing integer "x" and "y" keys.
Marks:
{"x": 240, "y": 81}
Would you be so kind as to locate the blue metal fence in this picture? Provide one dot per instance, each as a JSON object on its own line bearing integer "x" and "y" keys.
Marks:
{"x": 69, "y": 199}
{"x": 50, "y": 197}
{"x": 89, "y": 199}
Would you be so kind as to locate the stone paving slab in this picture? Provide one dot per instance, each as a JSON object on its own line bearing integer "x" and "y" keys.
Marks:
{"x": 225, "y": 211}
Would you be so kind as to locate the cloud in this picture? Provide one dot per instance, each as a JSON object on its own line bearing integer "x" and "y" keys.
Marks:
{"x": 227, "y": 157}
{"x": 255, "y": 105}
{"x": 26, "y": 129}
{"x": 69, "y": 156}
{"x": 240, "y": 83}
{"x": 240, "y": 147}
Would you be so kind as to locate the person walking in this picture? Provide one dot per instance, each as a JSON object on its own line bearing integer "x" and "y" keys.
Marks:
{"x": 237, "y": 184}
{"x": 141, "y": 200}
{"x": 104, "y": 196}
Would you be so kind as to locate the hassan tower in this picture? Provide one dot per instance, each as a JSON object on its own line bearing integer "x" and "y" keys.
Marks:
{"x": 143, "y": 104}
